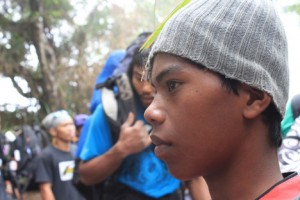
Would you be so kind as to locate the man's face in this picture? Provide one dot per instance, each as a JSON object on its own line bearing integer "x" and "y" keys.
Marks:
{"x": 65, "y": 131}
{"x": 196, "y": 122}
{"x": 143, "y": 88}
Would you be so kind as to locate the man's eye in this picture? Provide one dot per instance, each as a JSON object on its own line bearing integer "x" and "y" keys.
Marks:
{"x": 171, "y": 85}
{"x": 138, "y": 77}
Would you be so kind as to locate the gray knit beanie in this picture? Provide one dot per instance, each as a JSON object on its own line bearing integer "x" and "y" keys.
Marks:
{"x": 241, "y": 39}
{"x": 56, "y": 118}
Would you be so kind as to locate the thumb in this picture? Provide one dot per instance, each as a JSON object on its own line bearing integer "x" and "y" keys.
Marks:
{"x": 129, "y": 121}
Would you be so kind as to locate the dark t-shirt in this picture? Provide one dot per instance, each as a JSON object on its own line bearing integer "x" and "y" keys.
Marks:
{"x": 56, "y": 166}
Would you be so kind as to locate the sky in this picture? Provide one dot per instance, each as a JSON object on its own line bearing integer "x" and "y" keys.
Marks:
{"x": 291, "y": 22}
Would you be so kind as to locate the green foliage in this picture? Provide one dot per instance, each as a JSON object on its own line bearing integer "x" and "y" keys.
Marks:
{"x": 9, "y": 120}
{"x": 295, "y": 8}
{"x": 17, "y": 49}
{"x": 156, "y": 32}
{"x": 68, "y": 55}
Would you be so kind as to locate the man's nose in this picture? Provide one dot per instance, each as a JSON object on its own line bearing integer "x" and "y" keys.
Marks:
{"x": 154, "y": 115}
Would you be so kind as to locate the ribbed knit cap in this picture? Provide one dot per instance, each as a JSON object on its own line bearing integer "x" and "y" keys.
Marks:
{"x": 241, "y": 39}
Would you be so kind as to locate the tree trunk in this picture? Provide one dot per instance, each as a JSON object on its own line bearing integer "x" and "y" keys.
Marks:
{"x": 48, "y": 63}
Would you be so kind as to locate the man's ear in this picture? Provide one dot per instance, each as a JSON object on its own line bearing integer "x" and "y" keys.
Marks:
{"x": 256, "y": 103}
{"x": 52, "y": 132}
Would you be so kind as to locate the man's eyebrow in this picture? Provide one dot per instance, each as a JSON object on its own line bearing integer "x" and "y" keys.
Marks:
{"x": 137, "y": 73}
{"x": 167, "y": 71}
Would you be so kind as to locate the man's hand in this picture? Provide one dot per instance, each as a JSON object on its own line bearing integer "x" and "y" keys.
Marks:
{"x": 133, "y": 136}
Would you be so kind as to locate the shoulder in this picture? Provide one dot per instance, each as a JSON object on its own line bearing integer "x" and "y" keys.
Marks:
{"x": 98, "y": 120}
{"x": 47, "y": 152}
{"x": 49, "y": 149}
{"x": 287, "y": 188}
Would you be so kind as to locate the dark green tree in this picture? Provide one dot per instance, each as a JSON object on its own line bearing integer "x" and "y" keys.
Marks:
{"x": 295, "y": 8}
{"x": 58, "y": 47}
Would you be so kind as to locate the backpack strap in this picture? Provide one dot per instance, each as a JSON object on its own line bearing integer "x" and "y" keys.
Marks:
{"x": 296, "y": 106}
{"x": 117, "y": 104}
{"x": 110, "y": 104}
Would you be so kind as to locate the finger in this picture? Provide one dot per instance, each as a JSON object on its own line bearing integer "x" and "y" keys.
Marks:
{"x": 139, "y": 123}
{"x": 129, "y": 121}
{"x": 149, "y": 141}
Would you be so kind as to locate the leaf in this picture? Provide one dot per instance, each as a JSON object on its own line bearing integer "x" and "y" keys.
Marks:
{"x": 157, "y": 31}
{"x": 294, "y": 8}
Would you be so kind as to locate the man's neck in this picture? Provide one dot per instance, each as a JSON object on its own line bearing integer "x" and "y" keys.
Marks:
{"x": 61, "y": 145}
{"x": 247, "y": 178}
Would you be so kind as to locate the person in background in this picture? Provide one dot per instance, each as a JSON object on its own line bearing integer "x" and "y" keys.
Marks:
{"x": 92, "y": 192}
{"x": 111, "y": 64}
{"x": 128, "y": 166}
{"x": 291, "y": 114}
{"x": 220, "y": 72}
{"x": 8, "y": 190}
{"x": 55, "y": 164}
{"x": 79, "y": 121}
{"x": 289, "y": 151}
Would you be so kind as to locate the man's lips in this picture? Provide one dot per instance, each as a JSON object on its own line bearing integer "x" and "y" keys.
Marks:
{"x": 161, "y": 148}
{"x": 156, "y": 140}
{"x": 147, "y": 97}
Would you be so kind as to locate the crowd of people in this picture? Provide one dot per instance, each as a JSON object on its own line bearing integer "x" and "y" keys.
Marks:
{"x": 201, "y": 114}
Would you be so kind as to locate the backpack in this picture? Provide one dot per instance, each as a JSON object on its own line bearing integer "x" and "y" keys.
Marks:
{"x": 117, "y": 101}
{"x": 18, "y": 157}
{"x": 28, "y": 145}
{"x": 117, "y": 98}
{"x": 90, "y": 192}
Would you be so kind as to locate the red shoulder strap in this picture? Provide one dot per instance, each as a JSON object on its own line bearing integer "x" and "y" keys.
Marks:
{"x": 289, "y": 189}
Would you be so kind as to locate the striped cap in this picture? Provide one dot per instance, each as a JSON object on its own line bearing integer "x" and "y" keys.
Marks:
{"x": 241, "y": 39}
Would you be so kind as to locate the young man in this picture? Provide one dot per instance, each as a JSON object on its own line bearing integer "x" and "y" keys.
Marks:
{"x": 129, "y": 166}
{"x": 56, "y": 163}
{"x": 220, "y": 72}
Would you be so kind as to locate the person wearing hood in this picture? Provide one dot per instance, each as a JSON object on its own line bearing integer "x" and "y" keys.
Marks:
{"x": 126, "y": 163}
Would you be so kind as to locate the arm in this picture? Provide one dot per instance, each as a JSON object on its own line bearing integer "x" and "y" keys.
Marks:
{"x": 12, "y": 190}
{"x": 198, "y": 189}
{"x": 46, "y": 191}
{"x": 8, "y": 188}
{"x": 133, "y": 139}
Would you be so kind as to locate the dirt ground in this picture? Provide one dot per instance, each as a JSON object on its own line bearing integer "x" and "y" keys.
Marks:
{"x": 32, "y": 195}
